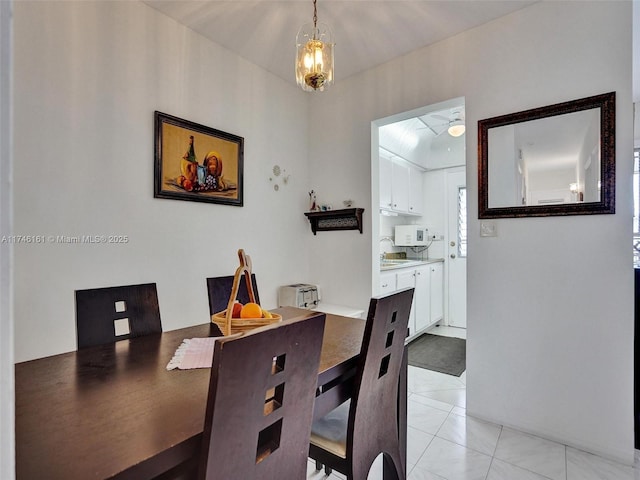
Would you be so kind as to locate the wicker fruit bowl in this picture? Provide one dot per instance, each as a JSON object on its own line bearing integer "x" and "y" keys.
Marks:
{"x": 225, "y": 320}
{"x": 241, "y": 324}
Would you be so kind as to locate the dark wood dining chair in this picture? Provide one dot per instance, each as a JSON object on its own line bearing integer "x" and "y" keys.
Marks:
{"x": 219, "y": 290}
{"x": 349, "y": 438}
{"x": 106, "y": 315}
{"x": 260, "y": 403}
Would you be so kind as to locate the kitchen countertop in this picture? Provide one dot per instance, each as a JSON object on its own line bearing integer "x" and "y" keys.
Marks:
{"x": 405, "y": 263}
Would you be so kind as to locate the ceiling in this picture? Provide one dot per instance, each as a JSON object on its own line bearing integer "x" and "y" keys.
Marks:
{"x": 367, "y": 33}
{"x": 403, "y": 137}
{"x": 555, "y": 143}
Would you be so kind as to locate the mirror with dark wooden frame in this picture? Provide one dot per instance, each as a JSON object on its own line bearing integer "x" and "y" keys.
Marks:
{"x": 553, "y": 160}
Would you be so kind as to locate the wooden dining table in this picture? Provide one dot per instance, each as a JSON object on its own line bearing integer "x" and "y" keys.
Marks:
{"x": 115, "y": 412}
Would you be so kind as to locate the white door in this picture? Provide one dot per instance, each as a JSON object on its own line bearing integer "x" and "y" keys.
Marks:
{"x": 456, "y": 247}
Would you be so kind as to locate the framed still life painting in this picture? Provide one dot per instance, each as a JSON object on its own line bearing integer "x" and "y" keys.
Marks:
{"x": 197, "y": 163}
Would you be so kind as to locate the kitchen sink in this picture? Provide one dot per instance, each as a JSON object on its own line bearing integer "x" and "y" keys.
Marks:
{"x": 395, "y": 261}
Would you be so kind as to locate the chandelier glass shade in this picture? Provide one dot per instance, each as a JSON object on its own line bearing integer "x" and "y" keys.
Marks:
{"x": 314, "y": 55}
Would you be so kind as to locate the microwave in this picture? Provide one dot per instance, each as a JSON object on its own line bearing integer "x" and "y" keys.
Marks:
{"x": 411, "y": 236}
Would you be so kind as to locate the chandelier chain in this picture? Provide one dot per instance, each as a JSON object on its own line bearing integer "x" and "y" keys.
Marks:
{"x": 315, "y": 14}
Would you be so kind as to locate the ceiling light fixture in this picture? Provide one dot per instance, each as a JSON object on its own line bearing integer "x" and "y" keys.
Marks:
{"x": 314, "y": 55}
{"x": 456, "y": 128}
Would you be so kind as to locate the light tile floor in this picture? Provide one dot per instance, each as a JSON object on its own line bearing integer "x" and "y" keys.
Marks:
{"x": 445, "y": 444}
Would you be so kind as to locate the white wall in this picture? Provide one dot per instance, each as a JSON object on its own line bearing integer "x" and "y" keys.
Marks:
{"x": 7, "y": 422}
{"x": 88, "y": 77}
{"x": 550, "y": 300}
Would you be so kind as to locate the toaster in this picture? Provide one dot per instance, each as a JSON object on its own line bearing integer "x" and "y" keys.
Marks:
{"x": 301, "y": 295}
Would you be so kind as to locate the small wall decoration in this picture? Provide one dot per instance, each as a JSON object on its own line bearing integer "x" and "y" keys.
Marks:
{"x": 197, "y": 163}
{"x": 279, "y": 173}
{"x": 313, "y": 206}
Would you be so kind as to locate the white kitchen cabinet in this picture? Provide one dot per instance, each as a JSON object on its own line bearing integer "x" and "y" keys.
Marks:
{"x": 422, "y": 298}
{"x": 428, "y": 301}
{"x": 407, "y": 279}
{"x": 416, "y": 196}
{"x": 387, "y": 283}
{"x": 400, "y": 186}
{"x": 385, "y": 183}
{"x": 436, "y": 292}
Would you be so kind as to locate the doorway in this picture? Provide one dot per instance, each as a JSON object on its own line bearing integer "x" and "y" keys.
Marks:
{"x": 418, "y": 144}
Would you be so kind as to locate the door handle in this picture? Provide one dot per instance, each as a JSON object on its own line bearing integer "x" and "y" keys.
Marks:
{"x": 453, "y": 255}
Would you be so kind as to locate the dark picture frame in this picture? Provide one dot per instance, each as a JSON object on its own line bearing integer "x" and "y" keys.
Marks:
{"x": 197, "y": 163}
{"x": 606, "y": 104}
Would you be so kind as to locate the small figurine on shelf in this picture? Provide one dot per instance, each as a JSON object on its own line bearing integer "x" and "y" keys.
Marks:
{"x": 312, "y": 200}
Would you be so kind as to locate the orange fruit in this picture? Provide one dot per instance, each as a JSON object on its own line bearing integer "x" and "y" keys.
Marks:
{"x": 251, "y": 310}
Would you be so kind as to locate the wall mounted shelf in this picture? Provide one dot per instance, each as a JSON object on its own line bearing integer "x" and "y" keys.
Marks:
{"x": 344, "y": 219}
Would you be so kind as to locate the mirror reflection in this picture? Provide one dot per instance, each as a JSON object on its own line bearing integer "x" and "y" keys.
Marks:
{"x": 553, "y": 160}
{"x": 546, "y": 161}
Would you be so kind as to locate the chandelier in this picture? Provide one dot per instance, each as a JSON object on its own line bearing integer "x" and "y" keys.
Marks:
{"x": 314, "y": 55}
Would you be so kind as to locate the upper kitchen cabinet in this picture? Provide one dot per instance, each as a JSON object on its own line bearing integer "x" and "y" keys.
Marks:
{"x": 399, "y": 186}
{"x": 385, "y": 182}
{"x": 401, "y": 189}
{"x": 416, "y": 192}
